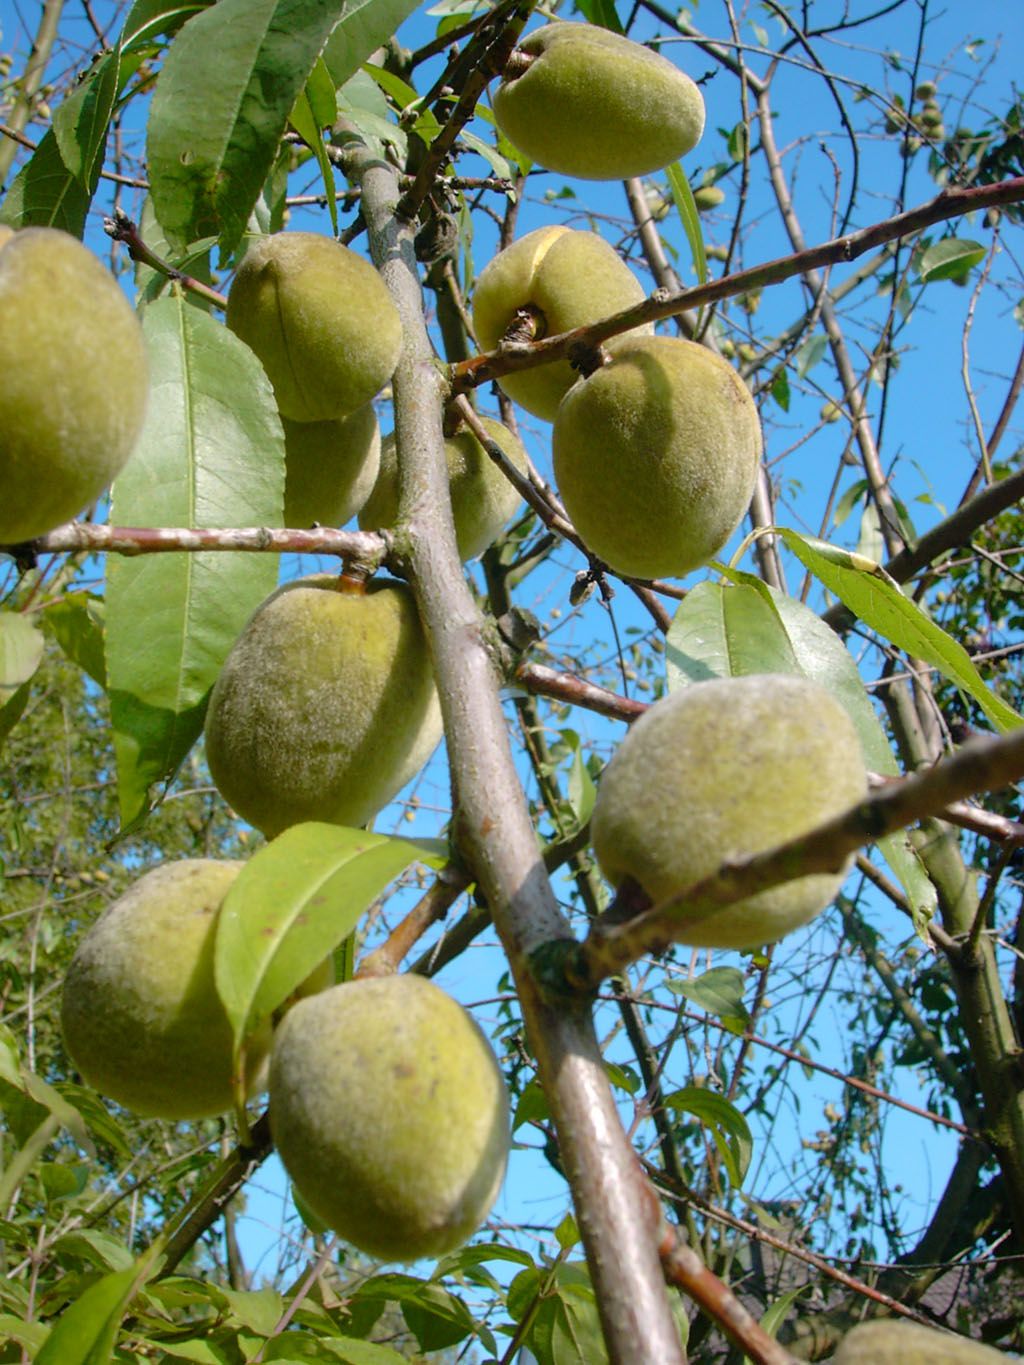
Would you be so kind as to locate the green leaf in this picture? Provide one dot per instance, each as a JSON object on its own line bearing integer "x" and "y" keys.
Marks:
{"x": 76, "y": 622}
{"x": 876, "y": 599}
{"x": 21, "y": 648}
{"x": 86, "y": 1332}
{"x": 727, "y": 1125}
{"x": 211, "y": 454}
{"x": 80, "y": 121}
{"x": 258, "y": 1309}
{"x": 362, "y": 28}
{"x": 12, "y": 710}
{"x": 316, "y": 109}
{"x": 354, "y": 1352}
{"x": 436, "y": 1318}
{"x": 199, "y": 1350}
{"x": 719, "y": 992}
{"x": 30, "y": 1334}
{"x": 221, "y": 105}
{"x": 95, "y": 1248}
{"x": 689, "y": 217}
{"x": 582, "y": 791}
{"x": 531, "y": 1106}
{"x": 809, "y": 352}
{"x": 290, "y": 905}
{"x": 494, "y": 159}
{"x": 950, "y": 259}
{"x": 45, "y": 193}
{"x": 775, "y": 1315}
{"x": 149, "y": 19}
{"x": 724, "y": 632}
{"x": 567, "y": 1328}
{"x": 853, "y": 495}
{"x": 601, "y": 12}
{"x": 780, "y": 389}
{"x": 567, "y": 1234}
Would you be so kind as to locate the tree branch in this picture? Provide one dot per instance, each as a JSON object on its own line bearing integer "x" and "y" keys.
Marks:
{"x": 612, "y": 1198}
{"x": 525, "y": 356}
{"x": 981, "y": 765}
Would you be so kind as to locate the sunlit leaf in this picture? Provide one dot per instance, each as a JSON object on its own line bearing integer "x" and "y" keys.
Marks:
{"x": 211, "y": 454}
{"x": 290, "y": 905}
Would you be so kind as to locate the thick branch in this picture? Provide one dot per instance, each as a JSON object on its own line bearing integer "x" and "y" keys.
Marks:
{"x": 981, "y": 765}
{"x": 950, "y": 204}
{"x": 612, "y": 1198}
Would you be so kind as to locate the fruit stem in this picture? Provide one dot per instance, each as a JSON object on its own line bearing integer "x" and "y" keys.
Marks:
{"x": 519, "y": 62}
{"x": 353, "y": 578}
{"x": 586, "y": 359}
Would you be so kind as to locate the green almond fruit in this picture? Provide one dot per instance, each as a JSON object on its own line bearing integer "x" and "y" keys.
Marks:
{"x": 390, "y": 1115}
{"x": 330, "y": 468}
{"x": 320, "y": 319}
{"x": 564, "y": 278}
{"x": 75, "y": 380}
{"x": 656, "y": 455}
{"x": 596, "y": 105}
{"x": 719, "y": 771}
{"x": 325, "y": 706}
{"x": 483, "y": 500}
{"x": 140, "y": 1012}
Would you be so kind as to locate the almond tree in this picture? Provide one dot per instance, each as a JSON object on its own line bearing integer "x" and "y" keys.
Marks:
{"x": 655, "y": 1083}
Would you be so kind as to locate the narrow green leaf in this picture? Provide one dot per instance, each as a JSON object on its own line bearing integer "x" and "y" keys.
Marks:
{"x": 775, "y": 1315}
{"x": 45, "y": 193}
{"x": 723, "y": 632}
{"x": 718, "y": 991}
{"x": 853, "y": 495}
{"x": 362, "y": 28}
{"x": 149, "y": 19}
{"x": 494, "y": 159}
{"x": 81, "y": 120}
{"x": 582, "y": 791}
{"x": 727, "y": 1125}
{"x": 221, "y": 104}
{"x": 689, "y": 217}
{"x": 288, "y": 908}
{"x": 950, "y": 259}
{"x": 780, "y": 389}
{"x": 21, "y": 648}
{"x": 876, "y": 599}
{"x": 601, "y": 12}
{"x": 86, "y": 1332}
{"x": 211, "y": 454}
{"x": 308, "y": 127}
{"x": 76, "y": 622}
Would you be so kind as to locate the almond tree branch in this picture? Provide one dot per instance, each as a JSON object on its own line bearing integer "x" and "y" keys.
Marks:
{"x": 525, "y": 356}
{"x": 956, "y": 530}
{"x": 369, "y": 548}
{"x": 981, "y": 765}
{"x": 612, "y": 1198}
